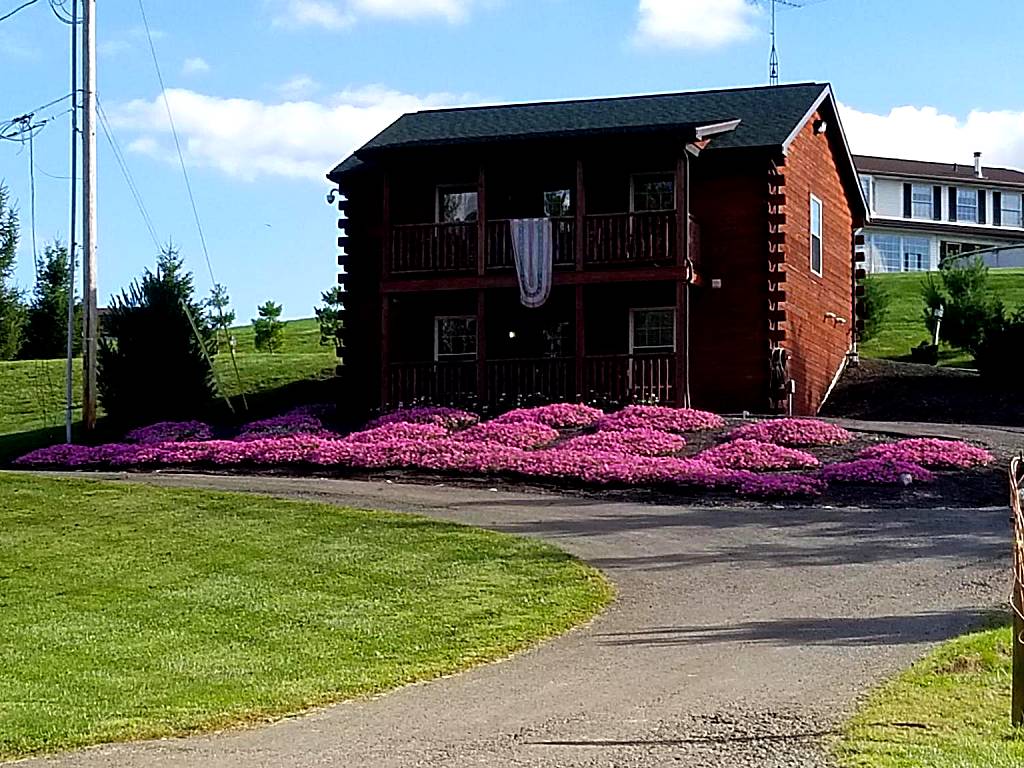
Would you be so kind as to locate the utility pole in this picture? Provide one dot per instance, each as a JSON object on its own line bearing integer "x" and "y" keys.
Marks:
{"x": 69, "y": 370}
{"x": 91, "y": 319}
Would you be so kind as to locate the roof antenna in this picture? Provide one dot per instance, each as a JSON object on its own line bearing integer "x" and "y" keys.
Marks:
{"x": 773, "y": 60}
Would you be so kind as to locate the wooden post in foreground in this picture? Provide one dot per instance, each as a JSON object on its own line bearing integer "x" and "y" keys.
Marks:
{"x": 1017, "y": 600}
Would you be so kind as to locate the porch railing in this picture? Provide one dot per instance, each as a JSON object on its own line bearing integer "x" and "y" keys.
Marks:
{"x": 617, "y": 378}
{"x": 631, "y": 238}
{"x": 434, "y": 247}
{"x": 500, "y": 254}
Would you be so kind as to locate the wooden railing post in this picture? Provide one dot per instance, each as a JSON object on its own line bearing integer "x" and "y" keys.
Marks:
{"x": 386, "y": 244}
{"x": 385, "y": 349}
{"x": 580, "y": 340}
{"x": 481, "y": 223}
{"x": 481, "y": 347}
{"x": 581, "y": 216}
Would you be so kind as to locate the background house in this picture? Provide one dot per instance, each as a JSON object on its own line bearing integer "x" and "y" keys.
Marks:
{"x": 702, "y": 251}
{"x": 923, "y": 212}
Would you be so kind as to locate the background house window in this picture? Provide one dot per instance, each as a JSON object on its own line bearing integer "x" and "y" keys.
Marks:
{"x": 816, "y": 223}
{"x": 867, "y": 186}
{"x": 893, "y": 253}
{"x": 917, "y": 254}
{"x": 455, "y": 338}
{"x": 652, "y": 330}
{"x": 557, "y": 203}
{"x": 967, "y": 205}
{"x": 923, "y": 201}
{"x": 1010, "y": 208}
{"x": 654, "y": 192}
{"x": 455, "y": 205}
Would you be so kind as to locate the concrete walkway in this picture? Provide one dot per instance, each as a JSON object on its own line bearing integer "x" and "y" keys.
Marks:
{"x": 740, "y": 637}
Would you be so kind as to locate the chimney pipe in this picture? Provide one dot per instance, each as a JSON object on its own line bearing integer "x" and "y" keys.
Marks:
{"x": 978, "y": 171}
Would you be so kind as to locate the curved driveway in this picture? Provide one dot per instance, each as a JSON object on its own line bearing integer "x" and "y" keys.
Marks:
{"x": 740, "y": 637}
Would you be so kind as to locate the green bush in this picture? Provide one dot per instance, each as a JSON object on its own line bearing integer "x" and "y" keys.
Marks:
{"x": 268, "y": 330}
{"x": 330, "y": 318}
{"x": 876, "y": 306}
{"x": 12, "y": 308}
{"x": 970, "y": 309}
{"x": 1000, "y": 351}
{"x": 152, "y": 349}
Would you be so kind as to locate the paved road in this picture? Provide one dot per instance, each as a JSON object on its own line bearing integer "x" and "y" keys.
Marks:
{"x": 739, "y": 637}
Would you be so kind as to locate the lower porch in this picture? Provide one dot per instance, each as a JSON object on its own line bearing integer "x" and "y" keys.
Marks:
{"x": 611, "y": 344}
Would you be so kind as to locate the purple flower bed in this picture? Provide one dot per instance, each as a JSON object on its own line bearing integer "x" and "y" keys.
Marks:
{"x": 636, "y": 442}
{"x": 661, "y": 418}
{"x": 557, "y": 415}
{"x": 793, "y": 432}
{"x": 449, "y": 418}
{"x": 758, "y": 456}
{"x": 931, "y": 453}
{"x": 170, "y": 432}
{"x": 398, "y": 430}
{"x": 876, "y": 472}
{"x": 520, "y": 434}
{"x": 295, "y": 423}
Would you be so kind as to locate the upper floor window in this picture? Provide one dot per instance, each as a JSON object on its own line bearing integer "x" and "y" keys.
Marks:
{"x": 455, "y": 337}
{"x": 1010, "y": 208}
{"x": 867, "y": 186}
{"x": 817, "y": 214}
{"x": 652, "y": 330}
{"x": 456, "y": 205}
{"x": 653, "y": 192}
{"x": 967, "y": 205}
{"x": 922, "y": 201}
{"x": 557, "y": 203}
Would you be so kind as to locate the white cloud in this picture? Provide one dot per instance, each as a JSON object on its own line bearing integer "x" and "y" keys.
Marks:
{"x": 195, "y": 65}
{"x": 298, "y": 87}
{"x": 925, "y": 133}
{"x": 341, "y": 14}
{"x": 249, "y": 139}
{"x": 699, "y": 24}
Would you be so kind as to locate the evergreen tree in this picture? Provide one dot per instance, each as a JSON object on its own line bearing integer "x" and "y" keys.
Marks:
{"x": 330, "y": 317}
{"x": 269, "y": 330}
{"x": 12, "y": 308}
{"x": 219, "y": 315}
{"x": 152, "y": 350}
{"x": 47, "y": 317}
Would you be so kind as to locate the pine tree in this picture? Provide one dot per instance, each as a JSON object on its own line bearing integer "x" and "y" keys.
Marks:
{"x": 330, "y": 317}
{"x": 12, "y": 307}
{"x": 47, "y": 316}
{"x": 219, "y": 315}
{"x": 152, "y": 363}
{"x": 268, "y": 328}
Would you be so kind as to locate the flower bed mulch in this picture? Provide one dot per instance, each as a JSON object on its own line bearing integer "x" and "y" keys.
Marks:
{"x": 640, "y": 452}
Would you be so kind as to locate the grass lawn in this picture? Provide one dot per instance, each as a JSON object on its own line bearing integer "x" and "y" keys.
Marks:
{"x": 132, "y": 612}
{"x": 904, "y": 324}
{"x": 951, "y": 710}
{"x": 32, "y": 391}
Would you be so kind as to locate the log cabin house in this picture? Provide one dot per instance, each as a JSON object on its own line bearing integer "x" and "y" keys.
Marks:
{"x": 699, "y": 249}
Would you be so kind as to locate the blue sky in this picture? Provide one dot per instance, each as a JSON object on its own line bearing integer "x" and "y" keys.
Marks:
{"x": 267, "y": 94}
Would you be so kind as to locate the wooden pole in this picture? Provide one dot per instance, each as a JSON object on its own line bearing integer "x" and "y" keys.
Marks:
{"x": 69, "y": 373}
{"x": 89, "y": 297}
{"x": 481, "y": 347}
{"x": 1017, "y": 599}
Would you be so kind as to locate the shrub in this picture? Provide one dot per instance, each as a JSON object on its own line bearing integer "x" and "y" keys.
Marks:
{"x": 876, "y": 471}
{"x": 970, "y": 308}
{"x": 170, "y": 432}
{"x": 931, "y": 453}
{"x": 757, "y": 456}
{"x": 557, "y": 415}
{"x": 793, "y": 432}
{"x": 661, "y": 418}
{"x": 329, "y": 316}
{"x": 637, "y": 442}
{"x": 449, "y": 418}
{"x": 294, "y": 423}
{"x": 152, "y": 360}
{"x": 1000, "y": 348}
{"x": 268, "y": 330}
{"x": 877, "y": 299}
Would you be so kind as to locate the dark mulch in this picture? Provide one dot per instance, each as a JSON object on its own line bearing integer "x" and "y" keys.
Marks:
{"x": 886, "y": 390}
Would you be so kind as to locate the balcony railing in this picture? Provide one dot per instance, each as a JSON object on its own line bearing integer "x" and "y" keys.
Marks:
{"x": 610, "y": 240}
{"x": 646, "y": 378}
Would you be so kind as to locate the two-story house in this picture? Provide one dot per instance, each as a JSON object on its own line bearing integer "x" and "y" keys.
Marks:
{"x": 688, "y": 248}
{"x": 924, "y": 212}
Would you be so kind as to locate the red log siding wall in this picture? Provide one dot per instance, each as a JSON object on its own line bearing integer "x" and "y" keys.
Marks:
{"x": 817, "y": 347}
{"x": 728, "y": 325}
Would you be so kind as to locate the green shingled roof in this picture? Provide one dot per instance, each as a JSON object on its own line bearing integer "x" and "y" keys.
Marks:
{"x": 768, "y": 115}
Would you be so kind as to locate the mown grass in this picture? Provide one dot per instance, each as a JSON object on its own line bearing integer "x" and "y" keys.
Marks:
{"x": 133, "y": 612}
{"x": 32, "y": 391}
{"x": 951, "y": 710}
{"x": 904, "y": 326}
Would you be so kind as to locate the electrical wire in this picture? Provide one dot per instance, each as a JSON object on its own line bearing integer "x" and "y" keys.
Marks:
{"x": 32, "y": 198}
{"x": 21, "y": 7}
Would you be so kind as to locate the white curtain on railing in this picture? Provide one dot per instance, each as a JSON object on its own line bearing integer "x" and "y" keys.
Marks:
{"x": 533, "y": 248}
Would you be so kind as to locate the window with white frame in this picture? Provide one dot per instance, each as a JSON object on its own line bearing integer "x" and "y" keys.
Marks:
{"x": 652, "y": 329}
{"x": 922, "y": 200}
{"x": 967, "y": 205}
{"x": 456, "y": 205}
{"x": 893, "y": 253}
{"x": 1010, "y": 210}
{"x": 653, "y": 192}
{"x": 455, "y": 337}
{"x": 916, "y": 254}
{"x": 557, "y": 203}
{"x": 867, "y": 186}
{"x": 817, "y": 214}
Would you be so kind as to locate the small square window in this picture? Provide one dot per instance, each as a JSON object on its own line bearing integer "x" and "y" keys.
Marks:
{"x": 653, "y": 330}
{"x": 455, "y": 338}
{"x": 967, "y": 205}
{"x": 923, "y": 199}
{"x": 654, "y": 192}
{"x": 557, "y": 203}
{"x": 456, "y": 206}
{"x": 817, "y": 213}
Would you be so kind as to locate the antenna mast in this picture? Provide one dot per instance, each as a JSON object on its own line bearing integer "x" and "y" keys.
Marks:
{"x": 773, "y": 60}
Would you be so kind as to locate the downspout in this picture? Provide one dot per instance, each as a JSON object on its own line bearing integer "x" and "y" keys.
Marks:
{"x": 687, "y": 402}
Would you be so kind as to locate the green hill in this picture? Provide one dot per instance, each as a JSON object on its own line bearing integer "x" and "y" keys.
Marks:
{"x": 904, "y": 326}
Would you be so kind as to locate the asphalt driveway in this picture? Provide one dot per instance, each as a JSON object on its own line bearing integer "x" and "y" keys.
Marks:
{"x": 740, "y": 637}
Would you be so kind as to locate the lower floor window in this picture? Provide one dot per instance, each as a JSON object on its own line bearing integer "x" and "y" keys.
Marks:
{"x": 896, "y": 253}
{"x": 455, "y": 337}
{"x": 652, "y": 330}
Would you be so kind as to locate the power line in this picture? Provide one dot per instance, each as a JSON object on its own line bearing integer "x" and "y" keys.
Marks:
{"x": 21, "y": 7}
